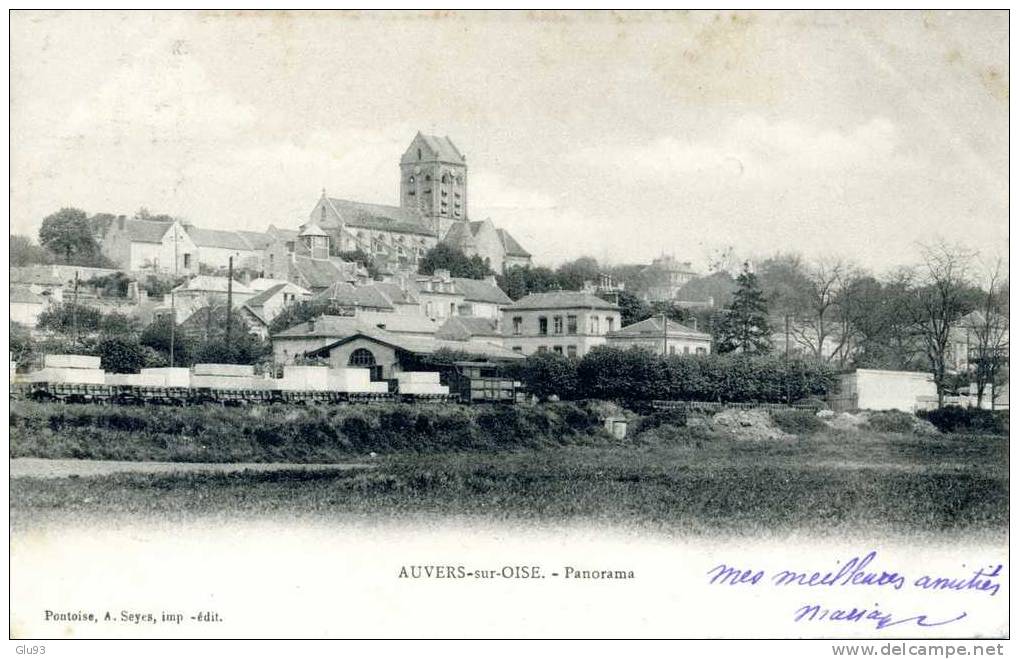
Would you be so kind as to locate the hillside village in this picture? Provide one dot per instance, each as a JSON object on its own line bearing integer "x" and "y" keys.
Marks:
{"x": 384, "y": 286}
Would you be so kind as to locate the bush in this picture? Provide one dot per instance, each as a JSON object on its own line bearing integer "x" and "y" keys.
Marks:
{"x": 891, "y": 421}
{"x": 797, "y": 422}
{"x": 968, "y": 420}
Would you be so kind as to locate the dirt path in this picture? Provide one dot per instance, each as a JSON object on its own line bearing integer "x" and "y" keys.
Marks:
{"x": 62, "y": 468}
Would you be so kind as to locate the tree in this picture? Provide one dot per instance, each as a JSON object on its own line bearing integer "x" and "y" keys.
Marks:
{"x": 447, "y": 257}
{"x": 744, "y": 324}
{"x": 826, "y": 284}
{"x": 25, "y": 252}
{"x": 120, "y": 354}
{"x": 144, "y": 214}
{"x": 67, "y": 234}
{"x": 631, "y": 308}
{"x": 70, "y": 319}
{"x": 718, "y": 287}
{"x": 301, "y": 312}
{"x": 520, "y": 281}
{"x": 549, "y": 373}
{"x": 361, "y": 257}
{"x": 573, "y": 274}
{"x": 989, "y": 328}
{"x": 157, "y": 336}
{"x": 21, "y": 344}
{"x": 940, "y": 298}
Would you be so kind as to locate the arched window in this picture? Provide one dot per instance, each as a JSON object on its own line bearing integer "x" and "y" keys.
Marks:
{"x": 412, "y": 180}
{"x": 362, "y": 357}
{"x": 445, "y": 178}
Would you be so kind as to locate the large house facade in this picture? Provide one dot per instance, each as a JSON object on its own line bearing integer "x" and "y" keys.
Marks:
{"x": 565, "y": 322}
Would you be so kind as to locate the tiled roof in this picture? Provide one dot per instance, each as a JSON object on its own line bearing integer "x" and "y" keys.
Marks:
{"x": 264, "y": 296}
{"x": 510, "y": 245}
{"x": 342, "y": 326}
{"x": 462, "y": 328}
{"x": 425, "y": 346}
{"x": 442, "y": 147}
{"x": 345, "y": 294}
{"x": 263, "y": 283}
{"x": 257, "y": 239}
{"x": 144, "y": 231}
{"x": 319, "y": 273}
{"x": 379, "y": 217}
{"x": 652, "y": 327}
{"x": 216, "y": 238}
{"x": 561, "y": 300}
{"x": 395, "y": 292}
{"x": 479, "y": 290}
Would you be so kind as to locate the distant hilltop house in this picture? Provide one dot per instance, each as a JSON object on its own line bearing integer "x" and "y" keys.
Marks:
{"x": 433, "y": 209}
{"x": 179, "y": 247}
{"x": 666, "y": 276}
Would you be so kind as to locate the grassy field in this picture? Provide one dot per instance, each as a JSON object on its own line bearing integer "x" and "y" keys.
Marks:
{"x": 682, "y": 480}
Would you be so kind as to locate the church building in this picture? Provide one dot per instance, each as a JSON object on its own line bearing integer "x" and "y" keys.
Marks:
{"x": 433, "y": 208}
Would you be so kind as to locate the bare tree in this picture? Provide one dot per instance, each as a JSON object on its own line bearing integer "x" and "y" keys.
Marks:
{"x": 939, "y": 300}
{"x": 823, "y": 280}
{"x": 988, "y": 327}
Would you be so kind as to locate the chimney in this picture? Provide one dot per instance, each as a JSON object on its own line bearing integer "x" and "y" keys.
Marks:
{"x": 311, "y": 326}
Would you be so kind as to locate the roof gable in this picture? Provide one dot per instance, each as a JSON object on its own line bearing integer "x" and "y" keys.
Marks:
{"x": 479, "y": 290}
{"x": 432, "y": 148}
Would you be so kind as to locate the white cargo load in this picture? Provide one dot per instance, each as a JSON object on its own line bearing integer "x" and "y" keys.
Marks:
{"x": 353, "y": 380}
{"x": 117, "y": 378}
{"x": 418, "y": 377}
{"x": 70, "y": 361}
{"x": 57, "y": 375}
{"x": 223, "y": 382}
{"x": 229, "y": 370}
{"x": 378, "y": 387}
{"x": 423, "y": 389}
{"x": 169, "y": 377}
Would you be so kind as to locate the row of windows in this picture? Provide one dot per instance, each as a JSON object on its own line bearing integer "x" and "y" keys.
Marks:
{"x": 571, "y": 351}
{"x": 686, "y": 350}
{"x": 594, "y": 325}
{"x": 446, "y": 178}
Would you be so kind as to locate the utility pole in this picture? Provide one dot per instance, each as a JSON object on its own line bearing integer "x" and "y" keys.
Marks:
{"x": 665, "y": 335}
{"x": 173, "y": 309}
{"x": 74, "y": 310}
{"x": 229, "y": 297}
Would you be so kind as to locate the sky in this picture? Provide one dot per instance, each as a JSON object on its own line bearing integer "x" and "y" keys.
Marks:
{"x": 622, "y": 136}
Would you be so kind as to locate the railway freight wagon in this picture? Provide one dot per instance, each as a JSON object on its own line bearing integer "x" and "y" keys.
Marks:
{"x": 78, "y": 378}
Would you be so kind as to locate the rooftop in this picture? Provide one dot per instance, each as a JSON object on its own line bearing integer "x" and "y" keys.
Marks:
{"x": 561, "y": 300}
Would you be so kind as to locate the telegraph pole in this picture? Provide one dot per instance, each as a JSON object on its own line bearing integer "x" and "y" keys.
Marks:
{"x": 229, "y": 297}
{"x": 665, "y": 335}
{"x": 74, "y": 310}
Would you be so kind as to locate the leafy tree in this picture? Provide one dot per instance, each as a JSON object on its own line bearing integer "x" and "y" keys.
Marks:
{"x": 363, "y": 258}
{"x": 120, "y": 354}
{"x": 144, "y": 214}
{"x": 572, "y": 274}
{"x": 549, "y": 373}
{"x": 242, "y": 348}
{"x": 447, "y": 257}
{"x": 21, "y": 344}
{"x": 302, "y": 312}
{"x": 744, "y": 324}
{"x": 66, "y": 318}
{"x": 67, "y": 233}
{"x": 520, "y": 281}
{"x": 631, "y": 308}
{"x": 25, "y": 252}
{"x": 112, "y": 285}
{"x": 718, "y": 286}
{"x": 160, "y": 286}
{"x": 157, "y": 337}
{"x": 100, "y": 222}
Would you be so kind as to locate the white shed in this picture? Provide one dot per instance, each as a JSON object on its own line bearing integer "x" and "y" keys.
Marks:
{"x": 873, "y": 389}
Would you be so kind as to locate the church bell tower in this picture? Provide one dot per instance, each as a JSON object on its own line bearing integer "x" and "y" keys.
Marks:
{"x": 433, "y": 181}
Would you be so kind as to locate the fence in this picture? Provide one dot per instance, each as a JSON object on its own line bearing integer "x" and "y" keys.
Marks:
{"x": 711, "y": 406}
{"x": 843, "y": 403}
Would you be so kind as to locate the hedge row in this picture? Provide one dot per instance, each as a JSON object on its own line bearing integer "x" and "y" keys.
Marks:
{"x": 264, "y": 434}
{"x": 640, "y": 375}
{"x": 968, "y": 420}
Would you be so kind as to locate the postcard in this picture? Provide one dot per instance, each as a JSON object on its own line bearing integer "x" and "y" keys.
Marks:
{"x": 510, "y": 325}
